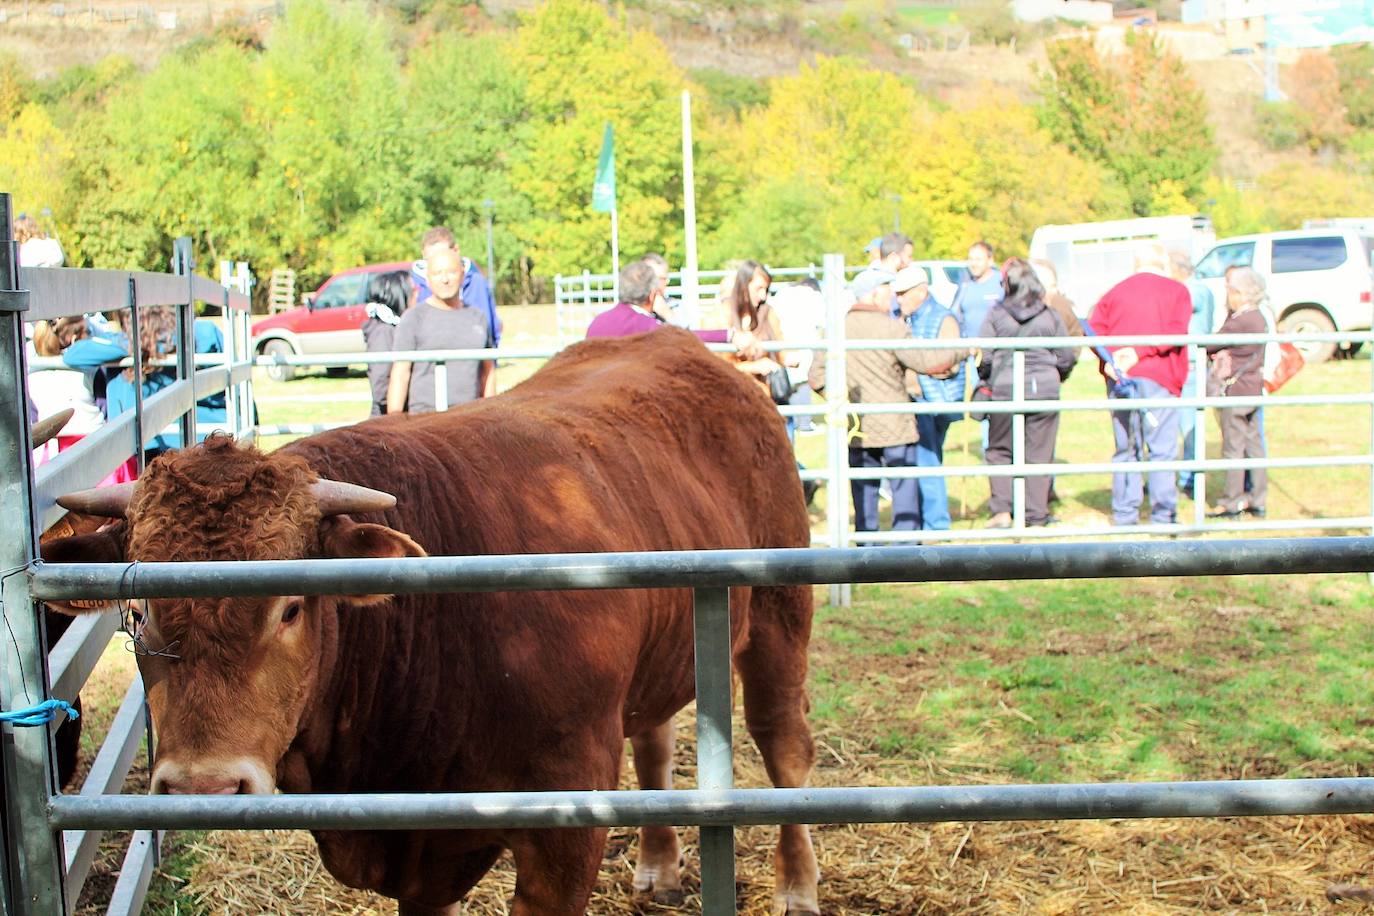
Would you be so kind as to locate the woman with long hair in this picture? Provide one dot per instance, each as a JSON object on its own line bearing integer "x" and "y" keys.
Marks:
{"x": 1023, "y": 312}
{"x": 750, "y": 310}
{"x": 388, "y": 295}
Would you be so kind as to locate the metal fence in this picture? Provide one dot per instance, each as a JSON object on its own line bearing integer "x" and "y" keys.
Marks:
{"x": 46, "y": 869}
{"x": 49, "y": 837}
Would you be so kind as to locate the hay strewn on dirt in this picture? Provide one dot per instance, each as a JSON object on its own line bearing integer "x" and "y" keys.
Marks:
{"x": 1250, "y": 865}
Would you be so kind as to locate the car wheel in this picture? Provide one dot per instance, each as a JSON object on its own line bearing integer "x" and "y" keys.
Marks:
{"x": 279, "y": 372}
{"x": 1310, "y": 321}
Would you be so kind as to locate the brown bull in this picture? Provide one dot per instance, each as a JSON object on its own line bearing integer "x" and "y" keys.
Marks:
{"x": 642, "y": 443}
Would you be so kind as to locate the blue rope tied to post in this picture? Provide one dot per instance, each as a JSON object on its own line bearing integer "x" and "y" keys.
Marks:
{"x": 41, "y": 714}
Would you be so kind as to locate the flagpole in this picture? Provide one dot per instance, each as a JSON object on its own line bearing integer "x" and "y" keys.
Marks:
{"x": 691, "y": 295}
{"x": 615, "y": 250}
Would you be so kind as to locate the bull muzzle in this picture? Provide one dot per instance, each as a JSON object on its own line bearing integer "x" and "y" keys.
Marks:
{"x": 241, "y": 776}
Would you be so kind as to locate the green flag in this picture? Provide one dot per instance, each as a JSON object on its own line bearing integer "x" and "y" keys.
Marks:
{"x": 603, "y": 192}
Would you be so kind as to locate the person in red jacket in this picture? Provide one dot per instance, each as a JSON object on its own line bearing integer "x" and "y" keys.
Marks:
{"x": 1148, "y": 302}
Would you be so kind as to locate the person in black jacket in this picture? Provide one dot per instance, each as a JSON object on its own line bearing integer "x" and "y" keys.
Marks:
{"x": 1023, "y": 313}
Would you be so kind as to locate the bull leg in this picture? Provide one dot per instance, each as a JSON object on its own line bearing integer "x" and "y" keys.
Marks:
{"x": 660, "y": 856}
{"x": 555, "y": 870}
{"x": 772, "y": 669}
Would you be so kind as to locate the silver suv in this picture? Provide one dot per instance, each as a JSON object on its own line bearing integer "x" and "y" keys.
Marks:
{"x": 1319, "y": 280}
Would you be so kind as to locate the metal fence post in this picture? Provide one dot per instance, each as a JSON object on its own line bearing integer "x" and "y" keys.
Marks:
{"x": 1018, "y": 439}
{"x": 186, "y": 336}
{"x": 1200, "y": 436}
{"x": 136, "y": 351}
{"x": 35, "y": 849}
{"x": 440, "y": 387}
{"x": 715, "y": 759}
{"x": 836, "y": 416}
{"x": 233, "y": 410}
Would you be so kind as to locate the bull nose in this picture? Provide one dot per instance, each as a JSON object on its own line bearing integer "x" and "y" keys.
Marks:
{"x": 236, "y": 777}
{"x": 206, "y": 786}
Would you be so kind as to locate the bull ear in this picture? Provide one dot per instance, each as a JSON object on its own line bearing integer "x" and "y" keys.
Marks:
{"x": 341, "y": 537}
{"x": 103, "y": 546}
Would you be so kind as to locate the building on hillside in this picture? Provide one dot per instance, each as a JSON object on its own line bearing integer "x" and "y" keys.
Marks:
{"x": 1286, "y": 23}
{"x": 1091, "y": 11}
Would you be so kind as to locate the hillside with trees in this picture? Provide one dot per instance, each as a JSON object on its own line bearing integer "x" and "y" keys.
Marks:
{"x": 330, "y": 134}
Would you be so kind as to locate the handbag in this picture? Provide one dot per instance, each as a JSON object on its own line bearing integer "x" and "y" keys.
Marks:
{"x": 1290, "y": 363}
{"x": 779, "y": 385}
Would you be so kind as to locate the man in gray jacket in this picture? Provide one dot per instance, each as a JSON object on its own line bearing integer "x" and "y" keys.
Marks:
{"x": 878, "y": 377}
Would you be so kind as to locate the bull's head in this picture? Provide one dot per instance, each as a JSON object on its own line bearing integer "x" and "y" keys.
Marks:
{"x": 230, "y": 680}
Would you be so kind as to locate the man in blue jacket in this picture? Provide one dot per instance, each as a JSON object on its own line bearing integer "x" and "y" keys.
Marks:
{"x": 475, "y": 292}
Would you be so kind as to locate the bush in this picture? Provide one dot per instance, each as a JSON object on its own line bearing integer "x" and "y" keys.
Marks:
{"x": 731, "y": 93}
{"x": 1276, "y": 123}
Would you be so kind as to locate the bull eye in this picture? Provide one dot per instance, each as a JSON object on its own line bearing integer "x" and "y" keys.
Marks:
{"x": 291, "y": 612}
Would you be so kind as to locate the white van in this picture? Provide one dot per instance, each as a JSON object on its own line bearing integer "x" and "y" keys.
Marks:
{"x": 1091, "y": 258}
{"x": 1319, "y": 280}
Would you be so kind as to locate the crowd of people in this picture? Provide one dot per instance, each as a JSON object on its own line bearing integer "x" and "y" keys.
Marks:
{"x": 444, "y": 302}
{"x": 891, "y": 299}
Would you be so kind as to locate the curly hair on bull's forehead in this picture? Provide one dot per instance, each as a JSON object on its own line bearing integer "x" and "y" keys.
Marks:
{"x": 224, "y": 501}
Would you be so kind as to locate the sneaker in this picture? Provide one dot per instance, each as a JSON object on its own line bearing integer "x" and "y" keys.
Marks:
{"x": 1000, "y": 520}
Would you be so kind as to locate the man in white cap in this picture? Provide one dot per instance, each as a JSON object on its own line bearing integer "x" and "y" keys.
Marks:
{"x": 878, "y": 377}
{"x": 929, "y": 320}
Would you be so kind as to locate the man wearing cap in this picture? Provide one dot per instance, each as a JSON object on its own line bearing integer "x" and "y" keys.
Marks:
{"x": 929, "y": 320}
{"x": 878, "y": 377}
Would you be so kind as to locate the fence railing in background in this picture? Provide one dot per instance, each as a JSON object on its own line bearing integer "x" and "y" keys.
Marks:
{"x": 45, "y": 871}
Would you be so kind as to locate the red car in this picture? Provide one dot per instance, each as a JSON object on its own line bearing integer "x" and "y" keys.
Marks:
{"x": 330, "y": 322}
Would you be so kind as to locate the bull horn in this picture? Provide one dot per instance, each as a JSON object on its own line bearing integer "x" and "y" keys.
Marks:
{"x": 111, "y": 501}
{"x": 44, "y": 430}
{"x": 338, "y": 498}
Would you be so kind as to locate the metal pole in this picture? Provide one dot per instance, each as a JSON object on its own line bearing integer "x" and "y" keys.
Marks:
{"x": 490, "y": 206}
{"x": 232, "y": 403}
{"x": 1200, "y": 437}
{"x": 136, "y": 352}
{"x": 186, "y": 336}
{"x": 686, "y": 807}
{"x": 1018, "y": 439}
{"x": 35, "y": 880}
{"x": 715, "y": 768}
{"x": 440, "y": 387}
{"x": 691, "y": 292}
{"x": 615, "y": 251}
{"x": 837, "y": 418}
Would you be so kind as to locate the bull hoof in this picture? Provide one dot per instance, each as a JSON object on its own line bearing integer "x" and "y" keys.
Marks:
{"x": 674, "y": 897}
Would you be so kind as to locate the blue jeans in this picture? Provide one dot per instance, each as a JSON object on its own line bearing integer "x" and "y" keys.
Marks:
{"x": 1149, "y": 435}
{"x": 932, "y": 495}
{"x": 905, "y": 505}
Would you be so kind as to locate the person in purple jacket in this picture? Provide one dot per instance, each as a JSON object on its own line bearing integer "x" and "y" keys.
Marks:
{"x": 633, "y": 314}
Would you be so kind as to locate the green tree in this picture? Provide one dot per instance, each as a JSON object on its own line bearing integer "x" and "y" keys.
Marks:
{"x": 990, "y": 172}
{"x": 34, "y": 157}
{"x": 835, "y": 140}
{"x": 1355, "y": 72}
{"x": 334, "y": 182}
{"x": 582, "y": 69}
{"x": 467, "y": 123}
{"x": 1138, "y": 113}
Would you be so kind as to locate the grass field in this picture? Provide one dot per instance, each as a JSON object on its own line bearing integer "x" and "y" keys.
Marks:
{"x": 960, "y": 683}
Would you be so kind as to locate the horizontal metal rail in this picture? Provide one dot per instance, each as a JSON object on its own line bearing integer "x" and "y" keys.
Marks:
{"x": 1226, "y": 527}
{"x": 700, "y": 568}
{"x": 694, "y": 807}
{"x": 55, "y": 292}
